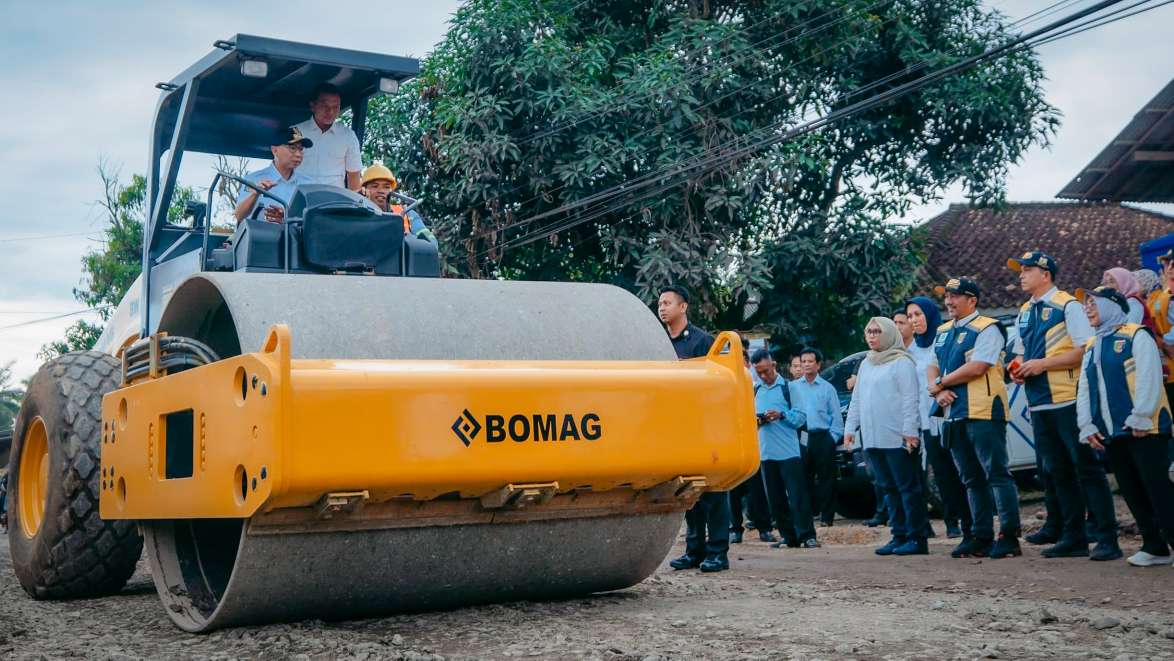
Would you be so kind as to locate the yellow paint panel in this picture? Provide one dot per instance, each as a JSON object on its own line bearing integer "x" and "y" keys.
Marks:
{"x": 421, "y": 429}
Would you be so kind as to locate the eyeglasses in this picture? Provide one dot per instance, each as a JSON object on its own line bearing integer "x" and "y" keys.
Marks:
{"x": 872, "y": 331}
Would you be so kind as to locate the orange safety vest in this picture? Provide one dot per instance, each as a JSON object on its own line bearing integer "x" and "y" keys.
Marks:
{"x": 1159, "y": 305}
{"x": 398, "y": 209}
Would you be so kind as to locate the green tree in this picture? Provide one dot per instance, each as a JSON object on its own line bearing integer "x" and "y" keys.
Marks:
{"x": 528, "y": 106}
{"x": 10, "y": 397}
{"x": 109, "y": 271}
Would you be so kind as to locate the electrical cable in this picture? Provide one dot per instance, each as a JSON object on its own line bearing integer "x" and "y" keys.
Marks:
{"x": 1047, "y": 33}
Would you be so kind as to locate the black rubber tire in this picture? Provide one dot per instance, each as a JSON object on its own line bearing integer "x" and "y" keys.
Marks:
{"x": 74, "y": 553}
{"x": 855, "y": 498}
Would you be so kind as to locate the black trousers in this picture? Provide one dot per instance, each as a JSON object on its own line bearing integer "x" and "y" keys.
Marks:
{"x": 820, "y": 466}
{"x": 750, "y": 495}
{"x": 786, "y": 492}
{"x": 707, "y": 526}
{"x": 882, "y": 512}
{"x": 898, "y": 472}
{"x": 1053, "y": 521}
{"x": 1141, "y": 466}
{"x": 955, "y": 508}
{"x": 979, "y": 449}
{"x": 1076, "y": 473}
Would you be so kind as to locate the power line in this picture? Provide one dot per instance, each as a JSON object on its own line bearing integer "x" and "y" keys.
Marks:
{"x": 701, "y": 160}
{"x": 742, "y": 53}
{"x": 908, "y": 71}
{"x": 605, "y": 200}
{"x": 54, "y": 317}
{"x": 43, "y": 236}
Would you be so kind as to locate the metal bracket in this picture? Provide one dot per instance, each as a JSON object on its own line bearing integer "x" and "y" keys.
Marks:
{"x": 517, "y": 496}
{"x": 678, "y": 488}
{"x": 347, "y": 502}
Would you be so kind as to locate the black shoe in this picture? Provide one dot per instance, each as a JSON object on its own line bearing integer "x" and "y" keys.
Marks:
{"x": 1007, "y": 546}
{"x": 953, "y": 531}
{"x": 929, "y": 533}
{"x": 767, "y": 536}
{"x": 1106, "y": 551}
{"x": 874, "y": 522}
{"x": 972, "y": 548}
{"x": 750, "y": 526}
{"x": 888, "y": 549}
{"x": 710, "y": 565}
{"x": 825, "y": 524}
{"x": 785, "y": 543}
{"x": 1041, "y": 537}
{"x": 685, "y": 562}
{"x": 1066, "y": 549}
{"x": 812, "y": 543}
{"x": 736, "y": 537}
{"x": 912, "y": 547}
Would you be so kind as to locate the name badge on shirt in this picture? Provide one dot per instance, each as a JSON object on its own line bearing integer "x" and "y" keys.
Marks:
{"x": 1119, "y": 346}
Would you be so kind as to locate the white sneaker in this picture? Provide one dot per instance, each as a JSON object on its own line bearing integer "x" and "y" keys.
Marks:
{"x": 1143, "y": 559}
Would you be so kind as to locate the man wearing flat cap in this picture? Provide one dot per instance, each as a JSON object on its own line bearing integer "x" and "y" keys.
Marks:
{"x": 966, "y": 382}
{"x": 280, "y": 178}
{"x": 1053, "y": 331}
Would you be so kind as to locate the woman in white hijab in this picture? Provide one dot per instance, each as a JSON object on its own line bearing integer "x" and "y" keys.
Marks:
{"x": 884, "y": 412}
{"x": 1130, "y": 420}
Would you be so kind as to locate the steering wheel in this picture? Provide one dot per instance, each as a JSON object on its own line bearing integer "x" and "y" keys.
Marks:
{"x": 254, "y": 187}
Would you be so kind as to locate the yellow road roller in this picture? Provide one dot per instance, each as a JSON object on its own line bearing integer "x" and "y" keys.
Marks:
{"x": 302, "y": 420}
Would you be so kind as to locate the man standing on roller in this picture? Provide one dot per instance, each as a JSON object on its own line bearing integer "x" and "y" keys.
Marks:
{"x": 707, "y": 537}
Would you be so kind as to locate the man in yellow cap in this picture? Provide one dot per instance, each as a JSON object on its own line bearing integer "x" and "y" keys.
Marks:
{"x": 377, "y": 185}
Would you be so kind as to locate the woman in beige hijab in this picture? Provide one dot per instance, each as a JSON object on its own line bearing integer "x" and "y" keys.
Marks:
{"x": 884, "y": 412}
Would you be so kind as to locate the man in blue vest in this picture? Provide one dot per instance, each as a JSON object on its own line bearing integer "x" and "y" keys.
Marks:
{"x": 966, "y": 381}
{"x": 1053, "y": 331}
{"x": 707, "y": 523}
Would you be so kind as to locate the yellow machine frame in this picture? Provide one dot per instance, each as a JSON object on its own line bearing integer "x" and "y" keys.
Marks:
{"x": 307, "y": 441}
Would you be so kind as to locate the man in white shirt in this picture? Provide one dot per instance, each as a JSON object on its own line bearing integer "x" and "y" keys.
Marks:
{"x": 336, "y": 158}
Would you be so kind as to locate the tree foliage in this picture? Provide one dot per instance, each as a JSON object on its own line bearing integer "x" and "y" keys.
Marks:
{"x": 110, "y": 270}
{"x": 10, "y": 397}
{"x": 526, "y": 106}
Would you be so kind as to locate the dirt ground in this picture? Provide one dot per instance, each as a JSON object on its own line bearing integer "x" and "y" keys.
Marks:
{"x": 837, "y": 602}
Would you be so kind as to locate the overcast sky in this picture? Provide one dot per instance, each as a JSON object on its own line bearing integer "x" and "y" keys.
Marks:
{"x": 79, "y": 87}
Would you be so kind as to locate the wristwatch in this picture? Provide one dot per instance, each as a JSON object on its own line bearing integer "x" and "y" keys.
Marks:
{"x": 938, "y": 382}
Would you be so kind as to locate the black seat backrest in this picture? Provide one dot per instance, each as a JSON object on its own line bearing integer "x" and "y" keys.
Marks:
{"x": 352, "y": 239}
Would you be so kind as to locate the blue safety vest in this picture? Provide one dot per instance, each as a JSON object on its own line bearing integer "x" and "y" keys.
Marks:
{"x": 1118, "y": 370}
{"x": 979, "y": 399}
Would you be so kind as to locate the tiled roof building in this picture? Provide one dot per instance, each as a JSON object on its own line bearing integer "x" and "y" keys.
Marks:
{"x": 1086, "y": 239}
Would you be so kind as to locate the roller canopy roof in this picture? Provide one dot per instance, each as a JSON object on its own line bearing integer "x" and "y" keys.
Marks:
{"x": 235, "y": 115}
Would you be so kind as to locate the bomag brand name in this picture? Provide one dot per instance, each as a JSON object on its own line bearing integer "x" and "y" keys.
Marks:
{"x": 543, "y": 427}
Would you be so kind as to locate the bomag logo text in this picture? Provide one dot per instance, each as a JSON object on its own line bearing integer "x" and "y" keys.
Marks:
{"x": 528, "y": 427}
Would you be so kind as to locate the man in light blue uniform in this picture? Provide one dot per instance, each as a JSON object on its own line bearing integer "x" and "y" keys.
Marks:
{"x": 280, "y": 178}
{"x": 825, "y": 430}
{"x": 778, "y": 446}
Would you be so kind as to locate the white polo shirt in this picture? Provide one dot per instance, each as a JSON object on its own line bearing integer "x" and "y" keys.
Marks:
{"x": 335, "y": 152}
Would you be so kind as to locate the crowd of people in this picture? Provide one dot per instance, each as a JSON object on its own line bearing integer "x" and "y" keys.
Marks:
{"x": 1096, "y": 367}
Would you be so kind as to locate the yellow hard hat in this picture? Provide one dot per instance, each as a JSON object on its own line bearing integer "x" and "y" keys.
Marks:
{"x": 378, "y": 171}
